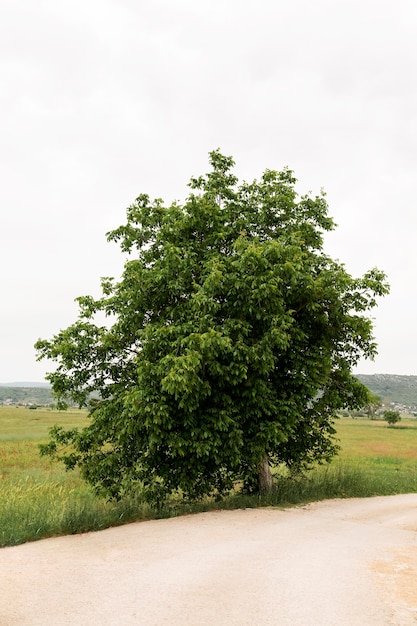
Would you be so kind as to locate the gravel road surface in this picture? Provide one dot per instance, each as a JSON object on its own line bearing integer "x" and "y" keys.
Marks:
{"x": 333, "y": 563}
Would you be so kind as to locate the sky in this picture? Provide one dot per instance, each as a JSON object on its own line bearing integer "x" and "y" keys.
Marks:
{"x": 101, "y": 100}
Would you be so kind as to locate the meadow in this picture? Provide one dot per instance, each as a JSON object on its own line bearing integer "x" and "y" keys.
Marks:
{"x": 40, "y": 499}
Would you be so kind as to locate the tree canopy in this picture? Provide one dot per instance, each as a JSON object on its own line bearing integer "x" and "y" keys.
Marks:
{"x": 228, "y": 346}
{"x": 392, "y": 417}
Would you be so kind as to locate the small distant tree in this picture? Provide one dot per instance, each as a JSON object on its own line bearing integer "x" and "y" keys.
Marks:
{"x": 229, "y": 347}
{"x": 373, "y": 403}
{"x": 392, "y": 417}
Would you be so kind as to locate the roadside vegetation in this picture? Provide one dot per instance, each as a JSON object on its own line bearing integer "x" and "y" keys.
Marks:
{"x": 40, "y": 499}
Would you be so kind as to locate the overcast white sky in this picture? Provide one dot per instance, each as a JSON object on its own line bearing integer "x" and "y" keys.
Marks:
{"x": 101, "y": 100}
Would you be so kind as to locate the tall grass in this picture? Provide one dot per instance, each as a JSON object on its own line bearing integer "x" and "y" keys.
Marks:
{"x": 32, "y": 510}
{"x": 39, "y": 499}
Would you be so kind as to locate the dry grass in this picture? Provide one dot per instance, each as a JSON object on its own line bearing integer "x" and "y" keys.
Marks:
{"x": 38, "y": 498}
{"x": 369, "y": 439}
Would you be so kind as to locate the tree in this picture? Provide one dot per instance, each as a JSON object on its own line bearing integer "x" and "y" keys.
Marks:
{"x": 373, "y": 403}
{"x": 229, "y": 343}
{"x": 392, "y": 417}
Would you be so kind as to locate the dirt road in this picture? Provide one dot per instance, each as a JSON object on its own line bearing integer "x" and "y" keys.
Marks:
{"x": 335, "y": 563}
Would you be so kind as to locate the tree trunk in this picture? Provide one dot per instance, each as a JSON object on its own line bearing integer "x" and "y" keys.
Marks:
{"x": 264, "y": 476}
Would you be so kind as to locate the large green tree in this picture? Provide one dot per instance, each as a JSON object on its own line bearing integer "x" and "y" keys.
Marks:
{"x": 228, "y": 346}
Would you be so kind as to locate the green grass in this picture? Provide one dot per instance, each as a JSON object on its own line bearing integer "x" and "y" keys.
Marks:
{"x": 39, "y": 499}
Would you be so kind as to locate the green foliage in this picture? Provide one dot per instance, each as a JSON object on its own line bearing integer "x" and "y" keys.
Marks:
{"x": 392, "y": 417}
{"x": 230, "y": 339}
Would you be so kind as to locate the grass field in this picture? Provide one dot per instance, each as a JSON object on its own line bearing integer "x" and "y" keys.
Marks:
{"x": 39, "y": 499}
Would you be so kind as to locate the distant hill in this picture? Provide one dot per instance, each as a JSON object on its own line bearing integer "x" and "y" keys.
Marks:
{"x": 21, "y": 394}
{"x": 392, "y": 387}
